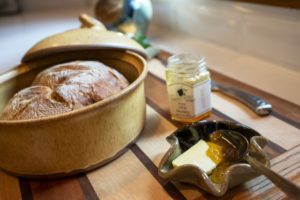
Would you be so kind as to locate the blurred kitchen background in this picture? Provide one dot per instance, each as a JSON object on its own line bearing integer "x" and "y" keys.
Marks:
{"x": 256, "y": 42}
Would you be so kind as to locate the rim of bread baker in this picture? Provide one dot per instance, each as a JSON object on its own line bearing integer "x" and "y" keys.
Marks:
{"x": 111, "y": 99}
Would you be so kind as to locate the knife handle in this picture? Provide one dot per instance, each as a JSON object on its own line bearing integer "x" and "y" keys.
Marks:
{"x": 258, "y": 105}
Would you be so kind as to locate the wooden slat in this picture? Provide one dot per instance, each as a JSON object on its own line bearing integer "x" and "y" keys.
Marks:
{"x": 272, "y": 128}
{"x": 25, "y": 189}
{"x": 9, "y": 187}
{"x": 126, "y": 178}
{"x": 151, "y": 167}
{"x": 282, "y": 109}
{"x": 287, "y": 165}
{"x": 87, "y": 188}
{"x": 154, "y": 145}
{"x": 67, "y": 188}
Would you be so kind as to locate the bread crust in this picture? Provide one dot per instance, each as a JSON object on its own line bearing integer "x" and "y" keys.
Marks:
{"x": 63, "y": 88}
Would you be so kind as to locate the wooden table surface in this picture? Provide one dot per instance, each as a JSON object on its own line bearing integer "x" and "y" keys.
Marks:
{"x": 134, "y": 175}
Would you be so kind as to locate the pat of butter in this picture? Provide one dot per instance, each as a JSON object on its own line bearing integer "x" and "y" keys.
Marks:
{"x": 196, "y": 155}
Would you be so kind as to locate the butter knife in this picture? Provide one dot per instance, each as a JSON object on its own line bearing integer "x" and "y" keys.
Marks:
{"x": 257, "y": 104}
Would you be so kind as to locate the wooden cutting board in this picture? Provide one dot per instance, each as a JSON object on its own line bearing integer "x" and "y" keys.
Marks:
{"x": 134, "y": 175}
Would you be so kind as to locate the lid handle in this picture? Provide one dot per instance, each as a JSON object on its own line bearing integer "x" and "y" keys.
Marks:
{"x": 90, "y": 22}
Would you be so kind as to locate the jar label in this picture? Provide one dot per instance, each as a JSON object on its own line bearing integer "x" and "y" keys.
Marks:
{"x": 189, "y": 101}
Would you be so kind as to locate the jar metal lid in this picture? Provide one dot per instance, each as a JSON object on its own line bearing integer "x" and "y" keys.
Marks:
{"x": 186, "y": 63}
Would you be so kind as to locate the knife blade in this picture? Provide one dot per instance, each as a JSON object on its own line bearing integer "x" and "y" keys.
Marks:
{"x": 257, "y": 104}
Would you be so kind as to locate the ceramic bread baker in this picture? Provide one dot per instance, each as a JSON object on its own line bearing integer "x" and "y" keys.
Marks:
{"x": 85, "y": 138}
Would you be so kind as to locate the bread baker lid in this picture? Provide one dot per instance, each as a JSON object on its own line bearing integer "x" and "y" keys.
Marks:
{"x": 91, "y": 36}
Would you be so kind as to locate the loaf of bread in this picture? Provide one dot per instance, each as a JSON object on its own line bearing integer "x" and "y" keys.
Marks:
{"x": 64, "y": 87}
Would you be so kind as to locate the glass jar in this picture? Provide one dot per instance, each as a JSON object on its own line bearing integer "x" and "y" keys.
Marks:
{"x": 189, "y": 87}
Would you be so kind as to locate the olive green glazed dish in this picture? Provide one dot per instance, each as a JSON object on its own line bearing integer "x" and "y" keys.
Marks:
{"x": 237, "y": 173}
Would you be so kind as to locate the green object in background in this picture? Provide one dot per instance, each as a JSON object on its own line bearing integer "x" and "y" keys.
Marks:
{"x": 141, "y": 39}
{"x": 131, "y": 17}
{"x": 144, "y": 41}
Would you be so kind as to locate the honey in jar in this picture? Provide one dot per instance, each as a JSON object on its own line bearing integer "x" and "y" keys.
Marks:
{"x": 189, "y": 87}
